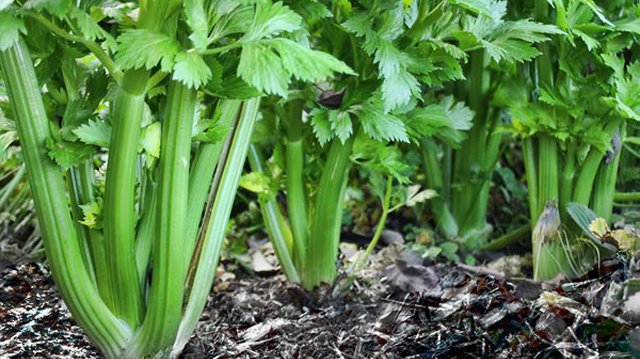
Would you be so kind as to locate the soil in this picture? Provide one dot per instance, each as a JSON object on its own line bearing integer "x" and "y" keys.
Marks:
{"x": 401, "y": 307}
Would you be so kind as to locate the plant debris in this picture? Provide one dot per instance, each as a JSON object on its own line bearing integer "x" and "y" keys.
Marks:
{"x": 455, "y": 311}
{"x": 35, "y": 321}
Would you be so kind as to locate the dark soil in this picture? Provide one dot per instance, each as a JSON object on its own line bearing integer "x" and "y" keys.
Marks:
{"x": 402, "y": 310}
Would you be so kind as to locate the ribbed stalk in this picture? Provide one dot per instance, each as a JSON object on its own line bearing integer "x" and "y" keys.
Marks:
{"x": 202, "y": 170}
{"x": 277, "y": 227}
{"x": 82, "y": 193}
{"x": 567, "y": 179}
{"x": 207, "y": 250}
{"x": 584, "y": 188}
{"x": 164, "y": 308}
{"x": 605, "y": 188}
{"x": 296, "y": 197}
{"x": 77, "y": 189}
{"x": 119, "y": 201}
{"x": 48, "y": 191}
{"x": 588, "y": 171}
{"x": 547, "y": 151}
{"x": 469, "y": 203}
{"x": 602, "y": 201}
{"x": 548, "y": 170}
{"x": 81, "y": 230}
{"x": 531, "y": 171}
{"x": 434, "y": 178}
{"x": 147, "y": 229}
{"x": 324, "y": 236}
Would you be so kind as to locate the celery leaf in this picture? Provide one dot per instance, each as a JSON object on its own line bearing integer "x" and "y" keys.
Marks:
{"x": 271, "y": 20}
{"x": 68, "y": 154}
{"x": 191, "y": 70}
{"x": 10, "y": 29}
{"x": 145, "y": 49}
{"x": 379, "y": 124}
{"x": 197, "y": 21}
{"x": 94, "y": 132}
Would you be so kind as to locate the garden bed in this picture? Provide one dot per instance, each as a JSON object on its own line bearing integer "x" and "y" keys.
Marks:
{"x": 402, "y": 307}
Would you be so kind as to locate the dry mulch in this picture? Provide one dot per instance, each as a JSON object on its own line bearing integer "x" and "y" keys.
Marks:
{"x": 404, "y": 310}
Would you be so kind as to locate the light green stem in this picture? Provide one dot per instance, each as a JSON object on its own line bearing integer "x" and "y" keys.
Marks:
{"x": 324, "y": 237}
{"x": 531, "y": 171}
{"x": 164, "y": 311}
{"x": 602, "y": 202}
{"x": 626, "y": 196}
{"x": 386, "y": 203}
{"x": 147, "y": 230}
{"x": 547, "y": 171}
{"x": 52, "y": 209}
{"x": 119, "y": 201}
{"x": 296, "y": 196}
{"x": 207, "y": 251}
{"x": 277, "y": 228}
{"x": 434, "y": 178}
{"x": 203, "y": 168}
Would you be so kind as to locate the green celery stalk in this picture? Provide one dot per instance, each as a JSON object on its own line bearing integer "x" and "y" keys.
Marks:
{"x": 146, "y": 229}
{"x": 207, "y": 250}
{"x": 605, "y": 188}
{"x": 203, "y": 168}
{"x": 444, "y": 218}
{"x": 567, "y": 179}
{"x": 81, "y": 296}
{"x": 531, "y": 172}
{"x": 296, "y": 197}
{"x": 548, "y": 189}
{"x": 324, "y": 236}
{"x": 119, "y": 201}
{"x": 277, "y": 227}
{"x": 584, "y": 188}
{"x": 164, "y": 311}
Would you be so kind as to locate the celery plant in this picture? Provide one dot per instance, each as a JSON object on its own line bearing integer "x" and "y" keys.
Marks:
{"x": 572, "y": 120}
{"x": 354, "y": 120}
{"x": 462, "y": 174}
{"x": 133, "y": 250}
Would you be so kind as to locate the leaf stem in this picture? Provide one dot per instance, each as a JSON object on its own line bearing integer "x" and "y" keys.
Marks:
{"x": 277, "y": 228}
{"x": 220, "y": 49}
{"x": 155, "y": 79}
{"x": 296, "y": 196}
{"x": 102, "y": 56}
{"x": 381, "y": 223}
